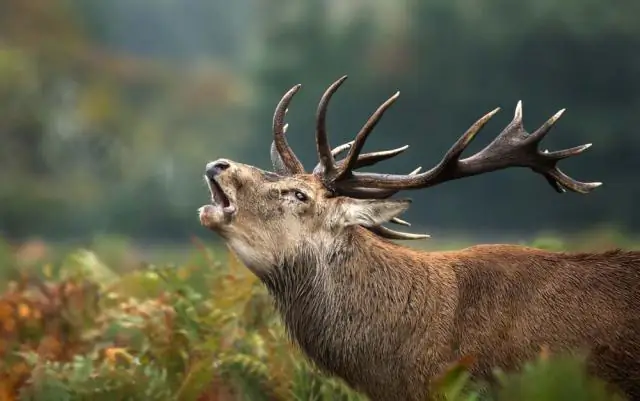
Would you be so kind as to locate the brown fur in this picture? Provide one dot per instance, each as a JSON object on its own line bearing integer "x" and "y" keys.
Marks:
{"x": 387, "y": 319}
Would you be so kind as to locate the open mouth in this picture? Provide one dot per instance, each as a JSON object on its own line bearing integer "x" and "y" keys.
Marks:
{"x": 219, "y": 197}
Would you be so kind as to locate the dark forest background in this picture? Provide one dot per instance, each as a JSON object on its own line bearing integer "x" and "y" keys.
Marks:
{"x": 111, "y": 109}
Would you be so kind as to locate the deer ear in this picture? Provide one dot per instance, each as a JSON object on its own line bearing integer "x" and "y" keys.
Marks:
{"x": 371, "y": 212}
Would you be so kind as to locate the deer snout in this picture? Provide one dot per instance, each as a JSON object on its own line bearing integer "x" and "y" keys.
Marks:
{"x": 216, "y": 167}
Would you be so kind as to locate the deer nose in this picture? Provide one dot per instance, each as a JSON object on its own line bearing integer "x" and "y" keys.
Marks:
{"x": 216, "y": 167}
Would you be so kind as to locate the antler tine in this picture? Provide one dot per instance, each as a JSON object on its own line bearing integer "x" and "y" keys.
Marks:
{"x": 401, "y": 222}
{"x": 352, "y": 157}
{"x": 400, "y": 182}
{"x": 364, "y": 160}
{"x": 393, "y": 234}
{"x": 340, "y": 149}
{"x": 513, "y": 147}
{"x": 322, "y": 140}
{"x": 369, "y": 159}
{"x": 540, "y": 133}
{"x": 319, "y": 168}
{"x": 373, "y": 193}
{"x": 286, "y": 162}
{"x": 276, "y": 160}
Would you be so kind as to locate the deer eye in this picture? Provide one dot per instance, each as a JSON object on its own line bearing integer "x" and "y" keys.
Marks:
{"x": 301, "y": 196}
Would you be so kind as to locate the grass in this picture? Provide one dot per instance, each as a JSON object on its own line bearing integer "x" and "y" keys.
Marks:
{"x": 98, "y": 324}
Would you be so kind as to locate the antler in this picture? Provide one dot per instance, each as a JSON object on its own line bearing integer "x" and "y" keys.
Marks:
{"x": 513, "y": 147}
{"x": 284, "y": 160}
{"x": 364, "y": 160}
{"x": 286, "y": 163}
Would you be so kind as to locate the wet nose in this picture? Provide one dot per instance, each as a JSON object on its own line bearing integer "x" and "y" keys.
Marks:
{"x": 216, "y": 167}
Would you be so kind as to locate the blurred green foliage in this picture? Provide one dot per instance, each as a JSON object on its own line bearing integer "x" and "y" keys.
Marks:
{"x": 76, "y": 327}
{"x": 110, "y": 110}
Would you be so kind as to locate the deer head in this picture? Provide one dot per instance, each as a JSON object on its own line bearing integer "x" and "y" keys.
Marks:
{"x": 267, "y": 216}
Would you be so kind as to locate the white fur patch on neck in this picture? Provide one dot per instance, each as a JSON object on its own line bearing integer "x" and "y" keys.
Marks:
{"x": 250, "y": 256}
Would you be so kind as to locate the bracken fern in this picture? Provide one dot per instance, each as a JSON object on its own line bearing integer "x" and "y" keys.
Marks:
{"x": 81, "y": 330}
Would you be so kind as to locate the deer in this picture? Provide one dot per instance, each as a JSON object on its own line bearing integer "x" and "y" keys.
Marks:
{"x": 387, "y": 318}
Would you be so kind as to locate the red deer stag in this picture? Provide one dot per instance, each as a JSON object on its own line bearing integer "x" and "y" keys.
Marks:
{"x": 387, "y": 318}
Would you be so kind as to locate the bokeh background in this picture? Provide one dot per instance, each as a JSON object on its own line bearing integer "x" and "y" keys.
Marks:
{"x": 111, "y": 109}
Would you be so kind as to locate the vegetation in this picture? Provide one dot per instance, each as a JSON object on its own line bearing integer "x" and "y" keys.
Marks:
{"x": 96, "y": 324}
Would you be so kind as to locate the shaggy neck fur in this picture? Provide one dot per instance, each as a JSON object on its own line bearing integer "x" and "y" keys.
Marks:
{"x": 353, "y": 304}
{"x": 387, "y": 319}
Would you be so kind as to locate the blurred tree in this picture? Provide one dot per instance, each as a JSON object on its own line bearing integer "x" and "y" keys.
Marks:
{"x": 88, "y": 128}
{"x": 110, "y": 109}
{"x": 462, "y": 59}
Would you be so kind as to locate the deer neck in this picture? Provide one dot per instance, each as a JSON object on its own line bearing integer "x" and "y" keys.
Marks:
{"x": 345, "y": 304}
